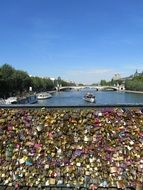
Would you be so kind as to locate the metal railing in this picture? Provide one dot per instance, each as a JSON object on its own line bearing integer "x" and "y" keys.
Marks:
{"x": 129, "y": 105}
{"x": 60, "y": 187}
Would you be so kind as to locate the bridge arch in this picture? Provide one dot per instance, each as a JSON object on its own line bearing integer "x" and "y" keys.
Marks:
{"x": 64, "y": 88}
{"x": 109, "y": 88}
{"x": 115, "y": 88}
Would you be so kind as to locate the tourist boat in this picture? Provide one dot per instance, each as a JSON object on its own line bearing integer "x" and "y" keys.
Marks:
{"x": 43, "y": 95}
{"x": 89, "y": 97}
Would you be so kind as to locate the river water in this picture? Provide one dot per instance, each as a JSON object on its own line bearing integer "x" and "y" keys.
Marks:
{"x": 75, "y": 98}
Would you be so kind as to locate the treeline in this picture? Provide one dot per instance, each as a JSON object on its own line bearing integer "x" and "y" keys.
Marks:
{"x": 110, "y": 83}
{"x": 135, "y": 84}
{"x": 17, "y": 82}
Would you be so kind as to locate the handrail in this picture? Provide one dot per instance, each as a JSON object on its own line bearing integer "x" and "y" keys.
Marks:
{"x": 71, "y": 106}
{"x": 67, "y": 187}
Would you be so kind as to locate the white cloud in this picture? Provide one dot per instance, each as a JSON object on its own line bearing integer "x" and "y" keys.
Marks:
{"x": 93, "y": 71}
{"x": 89, "y": 76}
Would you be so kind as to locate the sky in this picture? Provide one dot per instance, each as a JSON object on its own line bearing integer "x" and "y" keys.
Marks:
{"x": 79, "y": 40}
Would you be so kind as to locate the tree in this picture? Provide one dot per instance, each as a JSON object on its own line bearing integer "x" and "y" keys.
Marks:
{"x": 135, "y": 84}
{"x": 80, "y": 84}
{"x": 6, "y": 82}
{"x": 22, "y": 81}
{"x": 13, "y": 82}
{"x": 103, "y": 83}
{"x": 6, "y": 71}
{"x": 42, "y": 84}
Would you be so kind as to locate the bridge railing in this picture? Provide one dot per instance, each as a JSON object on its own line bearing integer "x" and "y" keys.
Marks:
{"x": 62, "y": 187}
{"x": 71, "y": 147}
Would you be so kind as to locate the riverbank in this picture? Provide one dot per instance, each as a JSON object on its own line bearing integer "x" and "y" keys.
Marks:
{"x": 131, "y": 91}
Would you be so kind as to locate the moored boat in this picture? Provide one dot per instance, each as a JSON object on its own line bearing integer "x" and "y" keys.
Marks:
{"x": 43, "y": 95}
{"x": 2, "y": 101}
{"x": 27, "y": 99}
{"x": 11, "y": 100}
{"x": 32, "y": 99}
{"x": 89, "y": 97}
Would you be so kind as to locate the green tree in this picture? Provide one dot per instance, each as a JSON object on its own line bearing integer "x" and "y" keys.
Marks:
{"x": 135, "y": 84}
{"x": 42, "y": 84}
{"x": 80, "y": 84}
{"x": 13, "y": 82}
{"x": 103, "y": 83}
{"x": 22, "y": 81}
{"x": 6, "y": 71}
{"x": 6, "y": 80}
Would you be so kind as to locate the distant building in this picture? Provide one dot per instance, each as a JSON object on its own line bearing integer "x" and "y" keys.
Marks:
{"x": 52, "y": 79}
{"x": 116, "y": 77}
{"x": 136, "y": 74}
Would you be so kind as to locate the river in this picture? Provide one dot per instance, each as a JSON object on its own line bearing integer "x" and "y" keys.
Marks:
{"x": 75, "y": 98}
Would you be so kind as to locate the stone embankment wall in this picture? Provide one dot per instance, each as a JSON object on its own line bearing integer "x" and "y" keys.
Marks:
{"x": 92, "y": 147}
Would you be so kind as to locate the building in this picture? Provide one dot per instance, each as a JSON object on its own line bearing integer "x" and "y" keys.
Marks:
{"x": 52, "y": 79}
{"x": 136, "y": 74}
{"x": 116, "y": 77}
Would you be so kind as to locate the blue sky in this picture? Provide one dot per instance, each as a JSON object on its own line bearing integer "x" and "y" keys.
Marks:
{"x": 80, "y": 40}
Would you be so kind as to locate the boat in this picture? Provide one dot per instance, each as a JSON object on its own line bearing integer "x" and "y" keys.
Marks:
{"x": 32, "y": 99}
{"x": 2, "y": 101}
{"x": 43, "y": 95}
{"x": 89, "y": 97}
{"x": 11, "y": 100}
{"x": 27, "y": 99}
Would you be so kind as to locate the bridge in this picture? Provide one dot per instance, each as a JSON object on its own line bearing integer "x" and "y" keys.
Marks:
{"x": 98, "y": 88}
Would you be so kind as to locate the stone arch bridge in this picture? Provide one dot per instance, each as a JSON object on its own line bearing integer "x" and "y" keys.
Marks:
{"x": 98, "y": 88}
